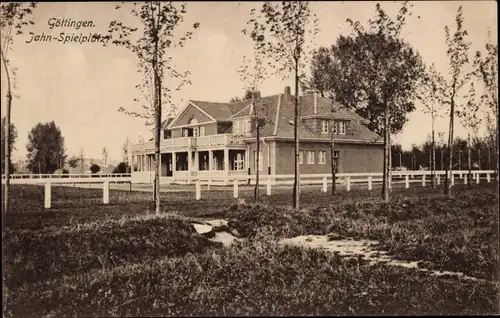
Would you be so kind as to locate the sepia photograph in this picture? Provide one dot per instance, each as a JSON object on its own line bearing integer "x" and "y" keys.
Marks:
{"x": 253, "y": 158}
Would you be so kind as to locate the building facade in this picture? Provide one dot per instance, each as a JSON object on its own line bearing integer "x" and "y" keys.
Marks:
{"x": 209, "y": 139}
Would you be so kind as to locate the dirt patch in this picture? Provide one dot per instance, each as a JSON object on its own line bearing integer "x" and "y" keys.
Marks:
{"x": 365, "y": 249}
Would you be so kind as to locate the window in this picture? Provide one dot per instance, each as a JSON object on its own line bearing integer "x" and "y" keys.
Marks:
{"x": 261, "y": 161}
{"x": 322, "y": 157}
{"x": 334, "y": 127}
{"x": 301, "y": 157}
{"x": 310, "y": 157}
{"x": 202, "y": 131}
{"x": 324, "y": 127}
{"x": 237, "y": 127}
{"x": 238, "y": 162}
{"x": 185, "y": 132}
{"x": 342, "y": 127}
{"x": 248, "y": 130}
{"x": 195, "y": 132}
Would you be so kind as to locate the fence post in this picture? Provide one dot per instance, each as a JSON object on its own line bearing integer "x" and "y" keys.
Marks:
{"x": 198, "y": 189}
{"x": 235, "y": 188}
{"x": 48, "y": 195}
{"x": 477, "y": 178}
{"x": 324, "y": 185}
{"x": 348, "y": 183}
{"x": 105, "y": 192}
{"x": 208, "y": 184}
{"x": 438, "y": 176}
{"x": 423, "y": 179}
{"x": 268, "y": 185}
{"x": 452, "y": 178}
{"x": 407, "y": 182}
{"x": 465, "y": 179}
{"x": 488, "y": 178}
{"x": 370, "y": 183}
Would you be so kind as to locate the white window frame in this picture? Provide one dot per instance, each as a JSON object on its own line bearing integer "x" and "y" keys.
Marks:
{"x": 238, "y": 163}
{"x": 301, "y": 157}
{"x": 322, "y": 157}
{"x": 202, "y": 131}
{"x": 196, "y": 132}
{"x": 324, "y": 127}
{"x": 237, "y": 127}
{"x": 247, "y": 127}
{"x": 310, "y": 157}
{"x": 342, "y": 127}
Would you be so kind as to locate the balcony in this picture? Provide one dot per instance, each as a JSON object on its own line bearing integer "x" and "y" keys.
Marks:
{"x": 184, "y": 143}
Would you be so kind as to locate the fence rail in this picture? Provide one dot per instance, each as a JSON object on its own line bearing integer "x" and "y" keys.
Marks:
{"x": 67, "y": 178}
{"x": 397, "y": 177}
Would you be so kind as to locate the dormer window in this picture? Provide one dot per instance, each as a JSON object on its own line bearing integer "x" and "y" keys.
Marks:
{"x": 334, "y": 127}
{"x": 324, "y": 127}
{"x": 342, "y": 128}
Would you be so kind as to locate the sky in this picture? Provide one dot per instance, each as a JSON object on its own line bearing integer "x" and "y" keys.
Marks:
{"x": 80, "y": 86}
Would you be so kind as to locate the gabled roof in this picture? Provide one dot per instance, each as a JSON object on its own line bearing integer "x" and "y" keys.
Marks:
{"x": 279, "y": 109}
{"x": 220, "y": 111}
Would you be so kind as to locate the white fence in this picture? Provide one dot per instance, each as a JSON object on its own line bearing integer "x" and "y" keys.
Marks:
{"x": 397, "y": 177}
{"x": 67, "y": 178}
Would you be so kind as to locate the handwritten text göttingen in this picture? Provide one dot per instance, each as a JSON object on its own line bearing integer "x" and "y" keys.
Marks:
{"x": 64, "y": 37}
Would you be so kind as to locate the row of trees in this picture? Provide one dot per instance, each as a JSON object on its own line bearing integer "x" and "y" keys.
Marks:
{"x": 372, "y": 71}
{"x": 379, "y": 75}
{"x": 46, "y": 151}
{"x": 479, "y": 154}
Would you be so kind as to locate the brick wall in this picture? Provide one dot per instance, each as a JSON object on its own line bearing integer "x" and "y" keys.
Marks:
{"x": 352, "y": 158}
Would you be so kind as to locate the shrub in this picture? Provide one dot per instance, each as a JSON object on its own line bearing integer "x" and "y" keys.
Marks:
{"x": 94, "y": 168}
{"x": 121, "y": 168}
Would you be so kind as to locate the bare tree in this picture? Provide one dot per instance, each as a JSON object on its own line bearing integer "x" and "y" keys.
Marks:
{"x": 281, "y": 31}
{"x": 104, "y": 155}
{"x": 431, "y": 95}
{"x": 468, "y": 114}
{"x": 457, "y": 52}
{"x": 159, "y": 21}
{"x": 14, "y": 17}
{"x": 486, "y": 69}
{"x": 82, "y": 158}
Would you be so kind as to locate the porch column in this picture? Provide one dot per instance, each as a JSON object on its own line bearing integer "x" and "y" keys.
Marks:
{"x": 189, "y": 158}
{"x": 226, "y": 161}
{"x": 247, "y": 159}
{"x": 210, "y": 160}
{"x": 196, "y": 161}
{"x": 174, "y": 161}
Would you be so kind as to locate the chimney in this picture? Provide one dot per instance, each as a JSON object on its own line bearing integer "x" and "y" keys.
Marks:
{"x": 288, "y": 91}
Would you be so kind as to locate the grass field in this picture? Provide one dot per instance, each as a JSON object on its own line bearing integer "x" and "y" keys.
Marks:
{"x": 86, "y": 259}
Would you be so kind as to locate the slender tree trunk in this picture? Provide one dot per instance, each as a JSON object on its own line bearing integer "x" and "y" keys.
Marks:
{"x": 479, "y": 158}
{"x": 296, "y": 182}
{"x": 433, "y": 155}
{"x": 257, "y": 161}
{"x": 157, "y": 106}
{"x": 469, "y": 161}
{"x": 449, "y": 169}
{"x": 386, "y": 155}
{"x": 384, "y": 162}
{"x": 489, "y": 158}
{"x": 7, "y": 153}
{"x": 442, "y": 161}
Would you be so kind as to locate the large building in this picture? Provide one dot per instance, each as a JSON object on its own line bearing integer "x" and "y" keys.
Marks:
{"x": 209, "y": 139}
